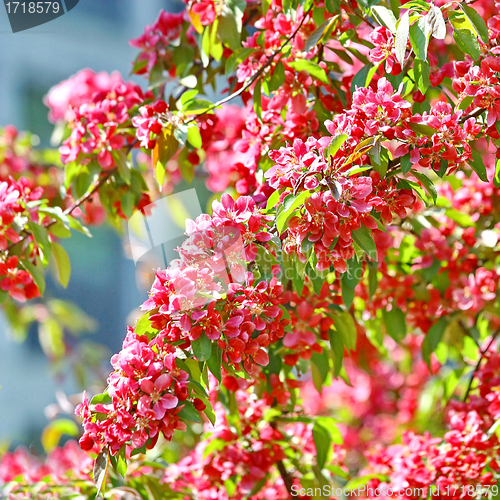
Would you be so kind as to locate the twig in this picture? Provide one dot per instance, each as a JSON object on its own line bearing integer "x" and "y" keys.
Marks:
{"x": 80, "y": 201}
{"x": 468, "y": 334}
{"x": 473, "y": 114}
{"x": 255, "y": 76}
{"x": 354, "y": 12}
{"x": 478, "y": 364}
{"x": 287, "y": 479}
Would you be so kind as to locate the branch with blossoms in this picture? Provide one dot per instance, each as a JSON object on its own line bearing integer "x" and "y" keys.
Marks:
{"x": 355, "y": 237}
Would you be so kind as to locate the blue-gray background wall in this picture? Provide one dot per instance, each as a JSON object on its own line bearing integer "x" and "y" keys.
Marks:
{"x": 94, "y": 34}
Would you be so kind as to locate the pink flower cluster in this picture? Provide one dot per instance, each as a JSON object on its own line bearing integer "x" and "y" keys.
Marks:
{"x": 154, "y": 43}
{"x": 245, "y": 455}
{"x": 14, "y": 199}
{"x": 342, "y": 202}
{"x": 94, "y": 112}
{"x": 149, "y": 124}
{"x": 384, "y": 50}
{"x": 456, "y": 464}
{"x": 184, "y": 300}
{"x": 80, "y": 89}
{"x": 62, "y": 465}
{"x": 146, "y": 390}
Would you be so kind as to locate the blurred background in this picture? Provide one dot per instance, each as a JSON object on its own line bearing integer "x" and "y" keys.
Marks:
{"x": 95, "y": 34}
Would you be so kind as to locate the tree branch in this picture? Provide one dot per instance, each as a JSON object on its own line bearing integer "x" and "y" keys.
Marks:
{"x": 78, "y": 202}
{"x": 473, "y": 114}
{"x": 255, "y": 76}
{"x": 287, "y": 478}
{"x": 478, "y": 364}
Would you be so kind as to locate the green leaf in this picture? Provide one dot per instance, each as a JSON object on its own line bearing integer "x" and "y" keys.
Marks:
{"x": 189, "y": 412}
{"x": 278, "y": 77}
{"x": 186, "y": 168}
{"x": 102, "y": 399}
{"x": 422, "y": 129}
{"x": 265, "y": 261}
{"x": 50, "y": 335}
{"x": 356, "y": 170}
{"x": 121, "y": 462}
{"x": 402, "y": 38}
{"x": 59, "y": 229}
{"x": 55, "y": 430}
{"x": 406, "y": 163}
{"x": 493, "y": 429}
{"x": 361, "y": 77}
{"x": 216, "y": 48}
{"x": 314, "y": 69}
{"x": 316, "y": 36}
{"x": 350, "y": 279}
{"x": 56, "y": 213}
{"x": 477, "y": 21}
{"x": 466, "y": 102}
{"x": 165, "y": 148}
{"x": 273, "y": 200}
{"x": 462, "y": 218}
{"x": 335, "y": 145}
{"x": 63, "y": 264}
{"x": 214, "y": 362}
{"x": 257, "y": 99}
{"x": 36, "y": 274}
{"x": 385, "y": 17}
{"x": 320, "y": 367}
{"x": 41, "y": 236}
{"x": 86, "y": 177}
{"x": 229, "y": 29}
{"x": 364, "y": 239}
{"x": 395, "y": 323}
{"x": 194, "y": 368}
{"x": 214, "y": 445}
{"x": 372, "y": 279}
{"x": 298, "y": 276}
{"x": 467, "y": 42}
{"x": 101, "y": 469}
{"x": 422, "y": 71}
{"x": 427, "y": 183}
{"x": 333, "y": 6}
{"x": 139, "y": 64}
{"x": 419, "y": 38}
{"x": 124, "y": 165}
{"x": 355, "y": 483}
{"x": 290, "y": 204}
{"x": 202, "y": 348}
{"x": 344, "y": 324}
{"x": 337, "y": 351}
{"x": 78, "y": 226}
{"x": 432, "y": 339}
{"x": 197, "y": 106}
{"x": 416, "y": 5}
{"x": 323, "y": 442}
{"x": 194, "y": 136}
{"x": 190, "y": 81}
{"x": 435, "y": 21}
{"x": 496, "y": 179}
{"x": 478, "y": 166}
{"x": 330, "y": 424}
{"x": 236, "y": 58}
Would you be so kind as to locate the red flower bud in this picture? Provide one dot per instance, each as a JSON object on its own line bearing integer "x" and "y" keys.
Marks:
{"x": 199, "y": 404}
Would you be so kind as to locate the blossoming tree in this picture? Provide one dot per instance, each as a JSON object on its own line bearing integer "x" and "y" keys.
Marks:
{"x": 351, "y": 341}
